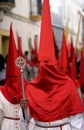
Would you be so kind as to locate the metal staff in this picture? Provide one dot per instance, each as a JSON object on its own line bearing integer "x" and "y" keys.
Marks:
{"x": 20, "y": 63}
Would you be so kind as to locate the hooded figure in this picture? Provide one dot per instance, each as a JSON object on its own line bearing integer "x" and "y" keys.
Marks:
{"x": 53, "y": 100}
{"x": 11, "y": 92}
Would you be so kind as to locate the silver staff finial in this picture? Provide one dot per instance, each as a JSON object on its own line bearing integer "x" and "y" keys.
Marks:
{"x": 20, "y": 62}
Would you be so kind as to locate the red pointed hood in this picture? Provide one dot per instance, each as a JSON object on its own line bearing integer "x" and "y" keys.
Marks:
{"x": 34, "y": 61}
{"x": 20, "y": 52}
{"x": 64, "y": 53}
{"x": 46, "y": 49}
{"x": 73, "y": 67}
{"x": 71, "y": 50}
{"x": 35, "y": 45}
{"x": 64, "y": 60}
{"x": 48, "y": 92}
{"x": 12, "y": 89}
{"x": 19, "y": 45}
{"x": 74, "y": 70}
{"x": 12, "y": 70}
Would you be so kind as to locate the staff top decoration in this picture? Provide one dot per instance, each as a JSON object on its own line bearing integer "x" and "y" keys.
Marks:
{"x": 20, "y": 62}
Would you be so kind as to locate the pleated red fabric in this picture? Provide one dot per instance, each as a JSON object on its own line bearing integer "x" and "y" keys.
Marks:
{"x": 52, "y": 95}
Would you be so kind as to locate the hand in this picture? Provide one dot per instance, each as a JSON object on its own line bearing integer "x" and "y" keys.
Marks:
{"x": 24, "y": 103}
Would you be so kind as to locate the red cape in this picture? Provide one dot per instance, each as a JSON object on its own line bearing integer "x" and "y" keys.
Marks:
{"x": 52, "y": 95}
{"x": 12, "y": 90}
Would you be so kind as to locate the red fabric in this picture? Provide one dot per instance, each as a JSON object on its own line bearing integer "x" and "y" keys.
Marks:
{"x": 52, "y": 95}
{"x": 12, "y": 89}
{"x": 73, "y": 67}
{"x": 69, "y": 47}
{"x": 64, "y": 53}
{"x": 74, "y": 72}
{"x": 12, "y": 118}
{"x": 34, "y": 61}
{"x": 77, "y": 83}
{"x": 11, "y": 69}
{"x": 71, "y": 50}
{"x": 20, "y": 52}
{"x": 46, "y": 48}
{"x": 64, "y": 60}
{"x": 19, "y": 45}
{"x": 82, "y": 71}
{"x": 11, "y": 92}
{"x": 0, "y": 86}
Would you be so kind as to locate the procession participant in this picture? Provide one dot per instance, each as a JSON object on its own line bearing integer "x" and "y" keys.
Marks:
{"x": 11, "y": 92}
{"x": 53, "y": 100}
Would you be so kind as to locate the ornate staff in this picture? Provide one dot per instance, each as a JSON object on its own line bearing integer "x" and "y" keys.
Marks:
{"x": 20, "y": 63}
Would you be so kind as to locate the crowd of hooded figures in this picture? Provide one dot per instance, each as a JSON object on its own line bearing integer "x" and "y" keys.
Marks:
{"x": 52, "y": 99}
